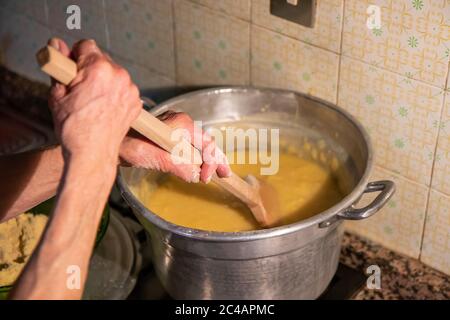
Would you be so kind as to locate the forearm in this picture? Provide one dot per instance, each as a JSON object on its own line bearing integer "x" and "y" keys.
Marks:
{"x": 28, "y": 179}
{"x": 70, "y": 234}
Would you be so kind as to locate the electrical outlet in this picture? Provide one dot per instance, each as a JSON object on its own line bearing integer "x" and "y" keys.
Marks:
{"x": 302, "y": 12}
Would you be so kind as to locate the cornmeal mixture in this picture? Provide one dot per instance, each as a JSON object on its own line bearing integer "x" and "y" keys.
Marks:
{"x": 18, "y": 238}
{"x": 304, "y": 189}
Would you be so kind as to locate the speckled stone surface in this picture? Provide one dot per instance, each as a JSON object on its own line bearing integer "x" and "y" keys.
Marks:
{"x": 401, "y": 277}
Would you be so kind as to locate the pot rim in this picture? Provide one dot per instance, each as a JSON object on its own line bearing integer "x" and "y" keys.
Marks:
{"x": 215, "y": 236}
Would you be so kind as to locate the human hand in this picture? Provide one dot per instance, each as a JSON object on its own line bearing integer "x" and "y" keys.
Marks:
{"x": 138, "y": 151}
{"x": 72, "y": 102}
{"x": 94, "y": 112}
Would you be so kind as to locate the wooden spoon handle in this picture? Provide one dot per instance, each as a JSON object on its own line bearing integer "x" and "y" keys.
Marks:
{"x": 64, "y": 70}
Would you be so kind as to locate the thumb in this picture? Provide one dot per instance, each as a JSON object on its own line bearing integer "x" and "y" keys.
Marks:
{"x": 140, "y": 152}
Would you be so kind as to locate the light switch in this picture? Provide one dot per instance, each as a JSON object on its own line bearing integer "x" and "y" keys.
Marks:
{"x": 302, "y": 12}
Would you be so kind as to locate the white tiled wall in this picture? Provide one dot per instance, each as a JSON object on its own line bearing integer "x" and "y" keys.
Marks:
{"x": 413, "y": 39}
{"x": 279, "y": 61}
{"x": 237, "y": 8}
{"x": 393, "y": 79}
{"x": 20, "y": 39}
{"x": 32, "y": 9}
{"x": 212, "y": 48}
{"x": 399, "y": 113}
{"x": 93, "y": 20}
{"x": 143, "y": 77}
{"x": 441, "y": 172}
{"x": 138, "y": 33}
{"x": 326, "y": 33}
{"x": 435, "y": 247}
{"x": 142, "y": 31}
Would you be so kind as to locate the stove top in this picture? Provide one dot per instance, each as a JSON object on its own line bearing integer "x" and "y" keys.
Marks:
{"x": 345, "y": 284}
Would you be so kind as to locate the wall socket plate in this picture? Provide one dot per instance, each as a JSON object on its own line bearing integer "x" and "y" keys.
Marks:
{"x": 302, "y": 12}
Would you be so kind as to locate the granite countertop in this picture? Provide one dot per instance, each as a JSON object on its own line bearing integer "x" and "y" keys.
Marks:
{"x": 401, "y": 277}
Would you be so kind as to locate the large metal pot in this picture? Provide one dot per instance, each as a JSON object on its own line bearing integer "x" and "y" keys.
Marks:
{"x": 295, "y": 261}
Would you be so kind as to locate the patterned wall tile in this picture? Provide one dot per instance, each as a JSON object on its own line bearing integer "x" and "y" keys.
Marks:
{"x": 143, "y": 77}
{"x": 401, "y": 115}
{"x": 325, "y": 34}
{"x": 211, "y": 48}
{"x": 237, "y": 8}
{"x": 34, "y": 9}
{"x": 142, "y": 31}
{"x": 282, "y": 62}
{"x": 20, "y": 39}
{"x": 399, "y": 225}
{"x": 414, "y": 38}
{"x": 436, "y": 241}
{"x": 93, "y": 23}
{"x": 441, "y": 172}
{"x": 68, "y": 38}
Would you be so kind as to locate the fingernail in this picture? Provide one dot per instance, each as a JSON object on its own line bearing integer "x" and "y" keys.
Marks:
{"x": 208, "y": 180}
{"x": 54, "y": 43}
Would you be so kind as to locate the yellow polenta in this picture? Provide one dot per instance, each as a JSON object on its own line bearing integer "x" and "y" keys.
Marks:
{"x": 18, "y": 238}
{"x": 304, "y": 188}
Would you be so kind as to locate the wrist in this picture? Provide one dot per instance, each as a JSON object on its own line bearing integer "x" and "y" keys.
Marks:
{"x": 89, "y": 171}
{"x": 82, "y": 194}
{"x": 88, "y": 177}
{"x": 85, "y": 159}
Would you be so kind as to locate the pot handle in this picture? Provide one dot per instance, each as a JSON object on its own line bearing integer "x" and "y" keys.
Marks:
{"x": 386, "y": 189}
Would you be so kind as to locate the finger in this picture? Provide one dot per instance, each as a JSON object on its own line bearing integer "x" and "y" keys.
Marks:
{"x": 224, "y": 170}
{"x": 84, "y": 48}
{"x": 213, "y": 158}
{"x": 140, "y": 152}
{"x": 59, "y": 45}
{"x": 57, "y": 92}
{"x": 223, "y": 167}
{"x": 209, "y": 165}
{"x": 62, "y": 47}
{"x": 180, "y": 120}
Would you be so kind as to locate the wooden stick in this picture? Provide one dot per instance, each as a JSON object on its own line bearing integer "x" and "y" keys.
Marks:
{"x": 64, "y": 70}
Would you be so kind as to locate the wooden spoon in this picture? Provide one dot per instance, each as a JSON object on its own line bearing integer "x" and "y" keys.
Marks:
{"x": 259, "y": 197}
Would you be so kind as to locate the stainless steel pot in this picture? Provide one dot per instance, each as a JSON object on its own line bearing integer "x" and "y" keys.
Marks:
{"x": 295, "y": 261}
